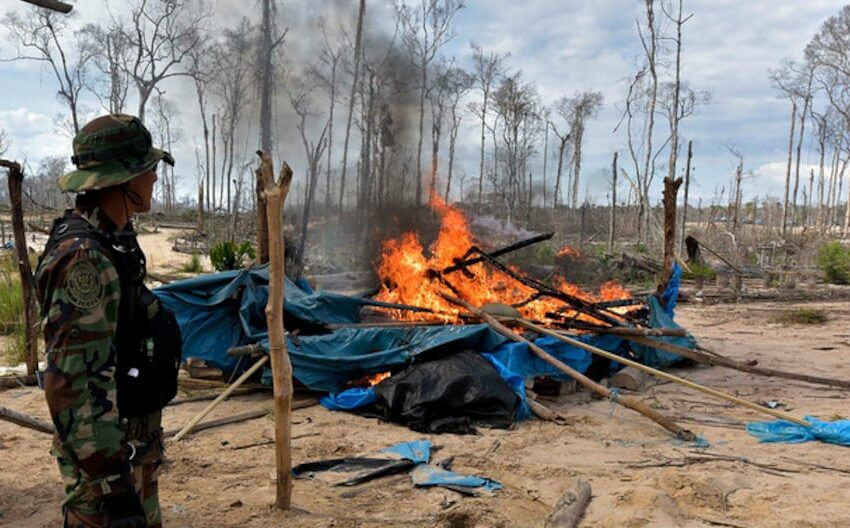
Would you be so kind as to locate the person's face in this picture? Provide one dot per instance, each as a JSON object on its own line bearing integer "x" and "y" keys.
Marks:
{"x": 143, "y": 186}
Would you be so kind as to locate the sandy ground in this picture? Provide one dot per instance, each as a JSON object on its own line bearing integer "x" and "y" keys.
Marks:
{"x": 208, "y": 483}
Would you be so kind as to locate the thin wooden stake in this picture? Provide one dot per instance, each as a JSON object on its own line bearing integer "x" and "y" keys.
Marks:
{"x": 24, "y": 420}
{"x": 213, "y": 404}
{"x": 635, "y": 405}
{"x": 281, "y": 367}
{"x": 664, "y": 375}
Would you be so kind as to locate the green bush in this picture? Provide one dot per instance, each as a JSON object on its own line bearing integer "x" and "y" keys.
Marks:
{"x": 834, "y": 260}
{"x": 193, "y": 266}
{"x": 11, "y": 304}
{"x": 699, "y": 271}
{"x": 805, "y": 316}
{"x": 230, "y": 256}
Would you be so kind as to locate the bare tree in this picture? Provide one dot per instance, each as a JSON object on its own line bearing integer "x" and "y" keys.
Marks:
{"x": 358, "y": 42}
{"x": 230, "y": 84}
{"x": 166, "y": 112}
{"x": 41, "y": 35}
{"x": 160, "y": 36}
{"x": 299, "y": 94}
{"x": 488, "y": 70}
{"x": 201, "y": 64}
{"x": 425, "y": 29}
{"x": 109, "y": 52}
{"x": 330, "y": 57}
{"x": 459, "y": 83}
{"x": 561, "y": 108}
{"x": 515, "y": 102}
{"x": 581, "y": 107}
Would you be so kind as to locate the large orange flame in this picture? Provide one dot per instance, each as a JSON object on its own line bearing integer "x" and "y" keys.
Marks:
{"x": 404, "y": 273}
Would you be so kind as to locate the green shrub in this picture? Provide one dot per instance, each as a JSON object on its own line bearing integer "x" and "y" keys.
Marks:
{"x": 230, "y": 256}
{"x": 807, "y": 316}
{"x": 699, "y": 271}
{"x": 834, "y": 260}
{"x": 193, "y": 266}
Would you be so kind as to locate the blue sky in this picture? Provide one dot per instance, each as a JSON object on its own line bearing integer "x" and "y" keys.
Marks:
{"x": 563, "y": 46}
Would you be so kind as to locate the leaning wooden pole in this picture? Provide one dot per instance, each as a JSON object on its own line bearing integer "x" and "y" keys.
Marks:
{"x": 716, "y": 360}
{"x": 635, "y": 405}
{"x": 281, "y": 367}
{"x": 664, "y": 375}
{"x": 16, "y": 183}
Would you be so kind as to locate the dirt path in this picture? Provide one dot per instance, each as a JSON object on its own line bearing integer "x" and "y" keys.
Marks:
{"x": 640, "y": 476}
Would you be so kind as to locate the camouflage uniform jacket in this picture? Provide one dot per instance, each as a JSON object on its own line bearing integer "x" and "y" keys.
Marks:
{"x": 79, "y": 291}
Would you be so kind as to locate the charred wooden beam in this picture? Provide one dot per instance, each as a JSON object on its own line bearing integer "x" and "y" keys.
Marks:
{"x": 465, "y": 262}
{"x": 580, "y": 305}
{"x": 53, "y": 5}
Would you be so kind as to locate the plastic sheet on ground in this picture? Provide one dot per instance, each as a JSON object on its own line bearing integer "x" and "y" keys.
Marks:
{"x": 397, "y": 458}
{"x": 837, "y": 432}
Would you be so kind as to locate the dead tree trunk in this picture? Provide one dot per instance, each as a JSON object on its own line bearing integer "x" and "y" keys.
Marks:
{"x": 788, "y": 168}
{"x": 687, "y": 186}
{"x": 16, "y": 181}
{"x": 612, "y": 215}
{"x": 281, "y": 367}
{"x": 357, "y": 43}
{"x": 671, "y": 188}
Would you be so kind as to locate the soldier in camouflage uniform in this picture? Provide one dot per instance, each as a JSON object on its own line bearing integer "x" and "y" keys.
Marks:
{"x": 108, "y": 458}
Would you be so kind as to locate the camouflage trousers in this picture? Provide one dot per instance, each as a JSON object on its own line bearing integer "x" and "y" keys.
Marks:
{"x": 81, "y": 506}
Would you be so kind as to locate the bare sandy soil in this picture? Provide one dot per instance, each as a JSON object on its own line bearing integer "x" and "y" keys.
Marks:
{"x": 640, "y": 476}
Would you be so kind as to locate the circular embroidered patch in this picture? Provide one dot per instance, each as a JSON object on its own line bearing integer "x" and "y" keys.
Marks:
{"x": 82, "y": 285}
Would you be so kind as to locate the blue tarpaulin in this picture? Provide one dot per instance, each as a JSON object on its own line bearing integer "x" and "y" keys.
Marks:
{"x": 837, "y": 432}
{"x": 222, "y": 310}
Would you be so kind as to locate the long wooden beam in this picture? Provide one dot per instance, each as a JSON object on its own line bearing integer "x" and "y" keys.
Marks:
{"x": 53, "y": 5}
{"x": 630, "y": 403}
{"x": 664, "y": 375}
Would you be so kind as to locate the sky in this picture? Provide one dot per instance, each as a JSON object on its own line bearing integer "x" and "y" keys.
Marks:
{"x": 563, "y": 46}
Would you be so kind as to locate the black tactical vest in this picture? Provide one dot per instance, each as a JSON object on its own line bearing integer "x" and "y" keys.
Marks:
{"x": 147, "y": 342}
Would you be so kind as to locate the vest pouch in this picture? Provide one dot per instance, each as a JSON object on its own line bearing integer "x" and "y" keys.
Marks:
{"x": 148, "y": 365}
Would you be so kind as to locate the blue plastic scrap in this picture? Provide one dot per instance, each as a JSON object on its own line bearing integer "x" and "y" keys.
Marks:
{"x": 349, "y": 400}
{"x": 837, "y": 432}
{"x": 417, "y": 451}
{"x": 425, "y": 475}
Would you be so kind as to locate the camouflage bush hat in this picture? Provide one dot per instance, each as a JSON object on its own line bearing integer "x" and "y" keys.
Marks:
{"x": 111, "y": 150}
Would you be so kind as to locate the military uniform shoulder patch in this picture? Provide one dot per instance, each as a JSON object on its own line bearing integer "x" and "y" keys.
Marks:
{"x": 83, "y": 286}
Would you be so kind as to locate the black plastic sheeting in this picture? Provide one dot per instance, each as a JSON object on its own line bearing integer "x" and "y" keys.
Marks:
{"x": 448, "y": 395}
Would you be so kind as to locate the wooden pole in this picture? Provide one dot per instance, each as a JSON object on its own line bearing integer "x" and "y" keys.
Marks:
{"x": 16, "y": 182}
{"x": 281, "y": 367}
{"x": 612, "y": 214}
{"x": 53, "y": 5}
{"x": 26, "y": 421}
{"x": 718, "y": 360}
{"x": 213, "y": 404}
{"x": 664, "y": 375}
{"x": 635, "y": 405}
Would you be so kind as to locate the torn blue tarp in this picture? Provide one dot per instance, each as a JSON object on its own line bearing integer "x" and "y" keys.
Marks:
{"x": 837, "y": 432}
{"x": 654, "y": 357}
{"x": 415, "y": 454}
{"x": 223, "y": 310}
{"x": 426, "y": 475}
{"x": 417, "y": 451}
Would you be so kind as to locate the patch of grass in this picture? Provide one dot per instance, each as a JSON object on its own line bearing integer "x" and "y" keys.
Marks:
{"x": 11, "y": 304}
{"x": 193, "y": 266}
{"x": 699, "y": 271}
{"x": 803, "y": 316}
{"x": 16, "y": 347}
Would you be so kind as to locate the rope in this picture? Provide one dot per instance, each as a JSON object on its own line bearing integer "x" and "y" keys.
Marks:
{"x": 614, "y": 396}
